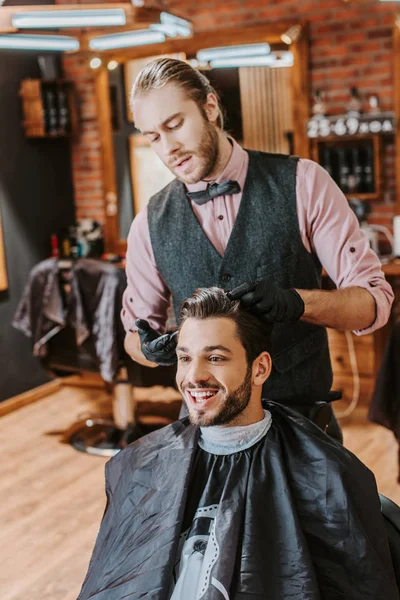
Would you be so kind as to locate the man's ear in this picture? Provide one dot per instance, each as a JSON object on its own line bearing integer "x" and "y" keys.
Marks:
{"x": 262, "y": 367}
{"x": 211, "y": 108}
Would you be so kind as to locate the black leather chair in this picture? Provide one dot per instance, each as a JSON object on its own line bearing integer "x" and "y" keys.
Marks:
{"x": 391, "y": 515}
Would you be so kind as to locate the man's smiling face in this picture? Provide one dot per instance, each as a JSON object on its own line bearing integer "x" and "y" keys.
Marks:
{"x": 213, "y": 374}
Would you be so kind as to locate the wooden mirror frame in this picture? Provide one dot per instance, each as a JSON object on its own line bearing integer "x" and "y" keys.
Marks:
{"x": 270, "y": 33}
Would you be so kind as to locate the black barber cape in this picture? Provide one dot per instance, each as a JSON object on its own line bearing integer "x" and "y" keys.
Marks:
{"x": 297, "y": 517}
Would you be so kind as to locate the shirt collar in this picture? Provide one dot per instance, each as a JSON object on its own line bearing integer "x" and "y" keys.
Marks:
{"x": 231, "y": 171}
{"x": 228, "y": 440}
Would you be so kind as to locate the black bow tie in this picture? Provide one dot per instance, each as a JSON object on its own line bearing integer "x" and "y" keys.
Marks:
{"x": 214, "y": 190}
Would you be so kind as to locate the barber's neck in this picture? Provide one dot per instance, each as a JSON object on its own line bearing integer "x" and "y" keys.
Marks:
{"x": 225, "y": 150}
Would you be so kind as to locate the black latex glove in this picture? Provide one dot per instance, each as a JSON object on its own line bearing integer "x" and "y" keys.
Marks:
{"x": 268, "y": 301}
{"x": 160, "y": 349}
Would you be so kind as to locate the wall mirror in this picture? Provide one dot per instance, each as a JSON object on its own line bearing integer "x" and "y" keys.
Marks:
{"x": 258, "y": 101}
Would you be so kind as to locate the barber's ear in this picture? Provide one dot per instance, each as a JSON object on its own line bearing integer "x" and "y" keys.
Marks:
{"x": 211, "y": 108}
{"x": 262, "y": 367}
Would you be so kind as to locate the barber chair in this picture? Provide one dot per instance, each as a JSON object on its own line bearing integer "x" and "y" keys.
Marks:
{"x": 105, "y": 434}
{"x": 101, "y": 434}
{"x": 391, "y": 516}
{"x": 322, "y": 415}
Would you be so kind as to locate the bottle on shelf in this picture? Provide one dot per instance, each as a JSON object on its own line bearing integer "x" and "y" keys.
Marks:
{"x": 367, "y": 177}
{"x": 343, "y": 170}
{"x": 55, "y": 250}
{"x": 63, "y": 110}
{"x": 326, "y": 160}
{"x": 74, "y": 248}
{"x": 50, "y": 108}
{"x": 354, "y": 104}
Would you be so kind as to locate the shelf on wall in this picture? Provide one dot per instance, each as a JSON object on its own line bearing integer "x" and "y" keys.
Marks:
{"x": 354, "y": 163}
{"x": 49, "y": 108}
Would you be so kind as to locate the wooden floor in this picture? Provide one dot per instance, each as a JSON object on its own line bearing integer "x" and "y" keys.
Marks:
{"x": 52, "y": 497}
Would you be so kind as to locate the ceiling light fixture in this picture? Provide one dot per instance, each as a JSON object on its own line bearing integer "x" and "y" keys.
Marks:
{"x": 227, "y": 52}
{"x": 95, "y": 63}
{"x": 182, "y": 27}
{"x": 126, "y": 39}
{"x": 283, "y": 60}
{"x": 168, "y": 30}
{"x": 106, "y": 17}
{"x": 291, "y": 35}
{"x": 61, "y": 43}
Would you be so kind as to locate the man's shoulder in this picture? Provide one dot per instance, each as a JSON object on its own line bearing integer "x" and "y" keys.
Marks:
{"x": 178, "y": 435}
{"x": 272, "y": 156}
{"x": 167, "y": 192}
{"x": 297, "y": 431}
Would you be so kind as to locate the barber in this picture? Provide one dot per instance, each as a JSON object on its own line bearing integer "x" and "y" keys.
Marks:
{"x": 259, "y": 225}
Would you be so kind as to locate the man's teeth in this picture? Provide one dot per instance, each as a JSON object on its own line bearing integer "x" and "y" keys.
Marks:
{"x": 202, "y": 396}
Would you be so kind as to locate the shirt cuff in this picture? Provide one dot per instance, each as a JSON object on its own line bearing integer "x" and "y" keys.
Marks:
{"x": 382, "y": 305}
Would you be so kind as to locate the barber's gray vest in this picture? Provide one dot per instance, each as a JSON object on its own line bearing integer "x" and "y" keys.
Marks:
{"x": 265, "y": 243}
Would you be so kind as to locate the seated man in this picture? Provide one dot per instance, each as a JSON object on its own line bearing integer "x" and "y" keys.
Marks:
{"x": 243, "y": 499}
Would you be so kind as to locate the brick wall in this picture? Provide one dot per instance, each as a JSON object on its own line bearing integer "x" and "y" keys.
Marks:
{"x": 351, "y": 45}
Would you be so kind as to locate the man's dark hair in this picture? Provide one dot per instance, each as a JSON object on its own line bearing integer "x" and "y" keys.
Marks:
{"x": 206, "y": 303}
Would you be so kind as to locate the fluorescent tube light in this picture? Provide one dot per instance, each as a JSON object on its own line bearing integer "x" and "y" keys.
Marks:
{"x": 126, "y": 39}
{"x": 253, "y": 61}
{"x": 171, "y": 30}
{"x": 38, "y": 42}
{"x": 168, "y": 19}
{"x": 245, "y": 50}
{"x": 107, "y": 17}
{"x": 175, "y": 24}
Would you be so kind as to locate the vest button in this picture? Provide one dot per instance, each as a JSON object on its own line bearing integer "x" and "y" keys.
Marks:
{"x": 226, "y": 277}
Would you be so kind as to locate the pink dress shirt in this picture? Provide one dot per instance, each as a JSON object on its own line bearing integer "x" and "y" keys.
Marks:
{"x": 328, "y": 228}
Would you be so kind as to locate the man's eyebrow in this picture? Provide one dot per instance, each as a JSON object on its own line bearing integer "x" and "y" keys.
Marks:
{"x": 207, "y": 349}
{"x": 219, "y": 347}
{"x": 174, "y": 116}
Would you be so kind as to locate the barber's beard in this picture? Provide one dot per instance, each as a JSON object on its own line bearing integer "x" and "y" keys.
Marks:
{"x": 232, "y": 407}
{"x": 206, "y": 155}
{"x": 208, "y": 151}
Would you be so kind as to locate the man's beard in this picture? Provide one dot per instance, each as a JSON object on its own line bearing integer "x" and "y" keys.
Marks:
{"x": 207, "y": 153}
{"x": 232, "y": 407}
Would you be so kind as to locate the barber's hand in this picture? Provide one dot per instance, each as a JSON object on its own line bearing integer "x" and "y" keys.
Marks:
{"x": 268, "y": 301}
{"x": 157, "y": 348}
